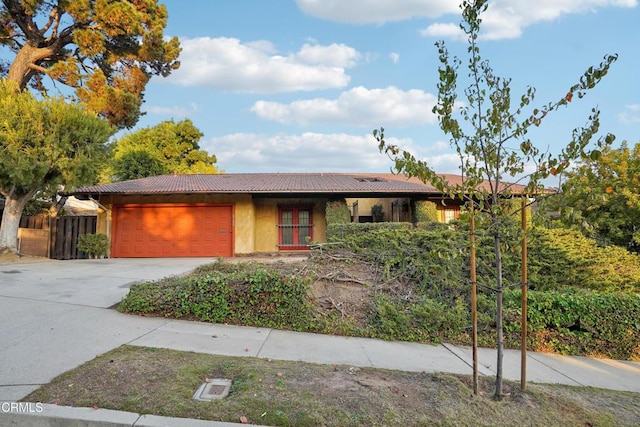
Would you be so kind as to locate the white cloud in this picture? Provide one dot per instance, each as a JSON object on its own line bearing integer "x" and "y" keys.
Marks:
{"x": 444, "y": 163}
{"x": 439, "y": 155}
{"x": 441, "y": 146}
{"x": 318, "y": 152}
{"x": 504, "y": 18}
{"x": 334, "y": 55}
{"x": 444, "y": 31}
{"x": 227, "y": 64}
{"x": 395, "y": 57}
{"x": 358, "y": 106}
{"x": 307, "y": 152}
{"x": 631, "y": 114}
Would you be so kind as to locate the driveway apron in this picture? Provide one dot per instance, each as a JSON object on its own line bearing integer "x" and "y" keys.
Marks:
{"x": 54, "y": 315}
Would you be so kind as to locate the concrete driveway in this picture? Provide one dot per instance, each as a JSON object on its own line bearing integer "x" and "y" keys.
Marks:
{"x": 53, "y": 317}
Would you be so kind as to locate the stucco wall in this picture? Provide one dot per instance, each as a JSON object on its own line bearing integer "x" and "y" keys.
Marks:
{"x": 266, "y": 220}
{"x": 255, "y": 220}
{"x": 103, "y": 224}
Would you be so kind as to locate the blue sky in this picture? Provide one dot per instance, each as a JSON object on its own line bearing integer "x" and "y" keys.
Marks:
{"x": 299, "y": 85}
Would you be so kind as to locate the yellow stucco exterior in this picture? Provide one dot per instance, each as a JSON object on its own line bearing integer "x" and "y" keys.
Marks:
{"x": 255, "y": 220}
{"x": 266, "y": 221}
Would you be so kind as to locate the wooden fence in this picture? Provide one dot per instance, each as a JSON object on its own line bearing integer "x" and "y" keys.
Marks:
{"x": 55, "y": 238}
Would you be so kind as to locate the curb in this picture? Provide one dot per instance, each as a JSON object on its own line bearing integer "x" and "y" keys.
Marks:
{"x": 46, "y": 415}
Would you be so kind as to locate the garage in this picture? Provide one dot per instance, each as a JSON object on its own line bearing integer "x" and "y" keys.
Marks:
{"x": 172, "y": 230}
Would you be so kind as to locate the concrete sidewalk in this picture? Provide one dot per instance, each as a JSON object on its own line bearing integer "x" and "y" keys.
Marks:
{"x": 361, "y": 352}
{"x": 403, "y": 356}
{"x": 55, "y": 316}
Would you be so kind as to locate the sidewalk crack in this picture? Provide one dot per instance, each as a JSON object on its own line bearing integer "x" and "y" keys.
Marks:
{"x": 555, "y": 370}
{"x": 148, "y": 332}
{"x": 264, "y": 342}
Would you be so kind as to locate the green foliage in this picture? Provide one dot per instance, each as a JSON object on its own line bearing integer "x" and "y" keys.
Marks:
{"x": 427, "y": 320}
{"x": 578, "y": 323}
{"x": 432, "y": 301}
{"x": 564, "y": 269}
{"x": 248, "y": 294}
{"x": 137, "y": 164}
{"x": 36, "y": 206}
{"x": 106, "y": 50}
{"x": 165, "y": 148}
{"x": 337, "y": 212}
{"x": 94, "y": 245}
{"x": 377, "y": 213}
{"x": 601, "y": 197}
{"x": 338, "y": 232}
{"x": 425, "y": 211}
{"x": 564, "y": 313}
{"x": 561, "y": 258}
{"x": 44, "y": 144}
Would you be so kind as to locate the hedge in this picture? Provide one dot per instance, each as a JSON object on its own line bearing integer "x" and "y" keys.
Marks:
{"x": 243, "y": 294}
{"x": 577, "y": 323}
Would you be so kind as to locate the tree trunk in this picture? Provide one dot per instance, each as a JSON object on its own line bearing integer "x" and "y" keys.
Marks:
{"x": 57, "y": 205}
{"x": 22, "y": 67}
{"x": 499, "y": 327}
{"x": 13, "y": 207}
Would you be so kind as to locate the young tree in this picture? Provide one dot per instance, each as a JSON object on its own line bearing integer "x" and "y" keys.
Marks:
{"x": 44, "y": 144}
{"x": 490, "y": 137}
{"x": 106, "y": 50}
{"x": 165, "y": 148}
{"x": 601, "y": 196}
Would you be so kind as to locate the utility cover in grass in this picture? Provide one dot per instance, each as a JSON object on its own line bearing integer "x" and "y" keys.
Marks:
{"x": 216, "y": 388}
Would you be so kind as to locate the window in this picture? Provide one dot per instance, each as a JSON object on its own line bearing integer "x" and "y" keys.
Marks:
{"x": 448, "y": 214}
{"x": 295, "y": 228}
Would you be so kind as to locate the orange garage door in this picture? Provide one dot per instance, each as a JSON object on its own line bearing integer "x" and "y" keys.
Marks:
{"x": 172, "y": 230}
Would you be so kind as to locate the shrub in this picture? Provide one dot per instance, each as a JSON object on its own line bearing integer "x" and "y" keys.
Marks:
{"x": 343, "y": 232}
{"x": 248, "y": 294}
{"x": 578, "y": 322}
{"x": 94, "y": 245}
{"x": 377, "y": 213}
{"x": 425, "y": 212}
{"x": 564, "y": 319}
{"x": 431, "y": 301}
{"x": 565, "y": 258}
{"x": 337, "y": 212}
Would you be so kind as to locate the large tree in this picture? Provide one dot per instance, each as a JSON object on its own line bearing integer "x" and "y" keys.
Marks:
{"x": 601, "y": 196}
{"x": 44, "y": 144}
{"x": 490, "y": 136}
{"x": 167, "y": 147}
{"x": 106, "y": 49}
